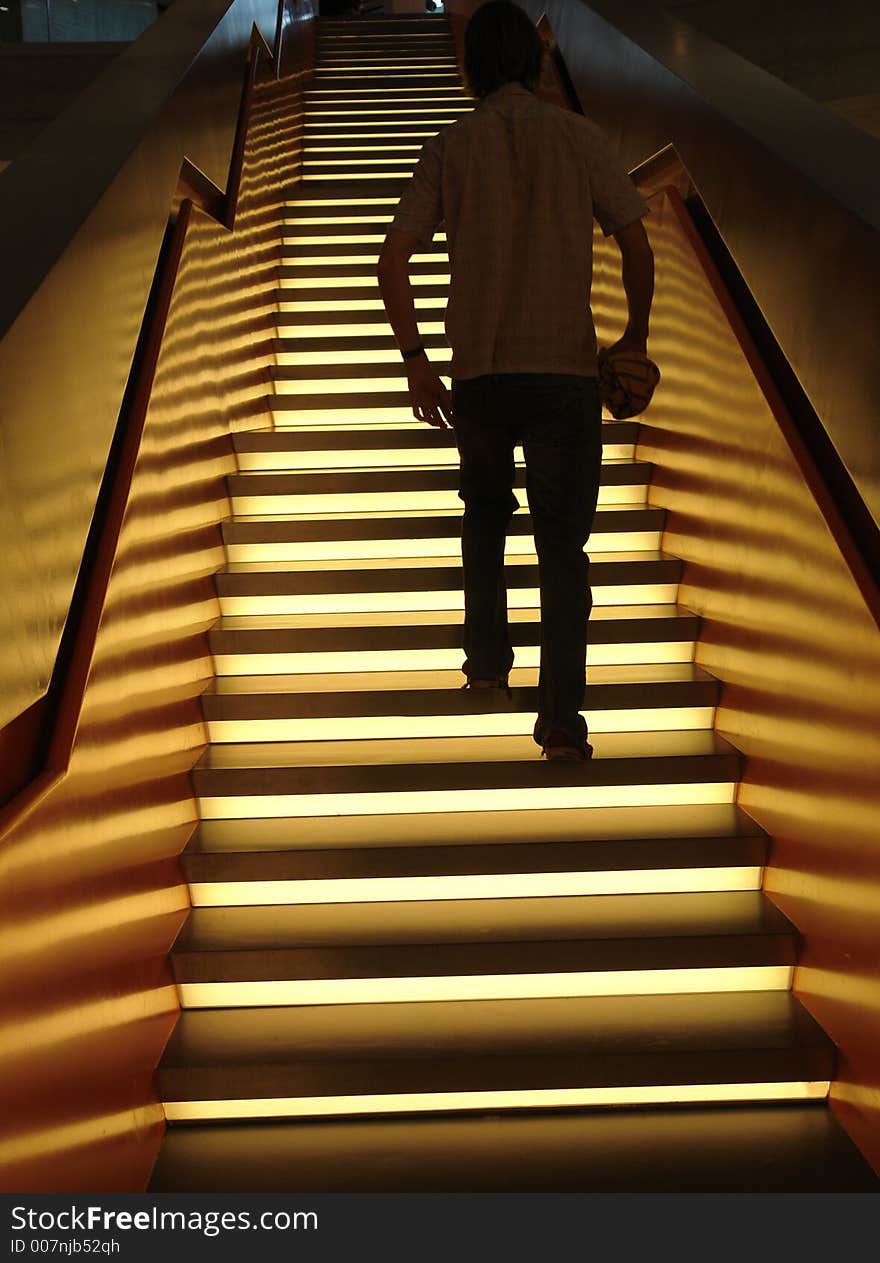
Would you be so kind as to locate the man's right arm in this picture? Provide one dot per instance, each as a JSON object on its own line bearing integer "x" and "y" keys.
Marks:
{"x": 637, "y": 264}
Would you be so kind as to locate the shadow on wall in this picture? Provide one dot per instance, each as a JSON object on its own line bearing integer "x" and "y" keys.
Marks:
{"x": 787, "y": 631}
{"x": 92, "y": 896}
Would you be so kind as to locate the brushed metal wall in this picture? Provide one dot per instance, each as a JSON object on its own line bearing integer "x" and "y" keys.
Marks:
{"x": 82, "y": 219}
{"x": 788, "y": 632}
{"x": 91, "y": 895}
{"x": 793, "y": 190}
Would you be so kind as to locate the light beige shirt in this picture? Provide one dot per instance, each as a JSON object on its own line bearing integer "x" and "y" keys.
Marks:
{"x": 518, "y": 182}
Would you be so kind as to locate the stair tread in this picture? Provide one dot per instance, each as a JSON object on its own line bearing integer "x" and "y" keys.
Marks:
{"x": 479, "y": 923}
{"x": 518, "y": 754}
{"x": 369, "y": 578}
{"x": 368, "y": 438}
{"x": 204, "y": 865}
{"x": 349, "y": 566}
{"x": 612, "y": 830}
{"x": 418, "y": 619}
{"x": 366, "y": 525}
{"x": 264, "y": 482}
{"x": 757, "y": 1149}
{"x": 432, "y": 684}
{"x": 627, "y": 1038}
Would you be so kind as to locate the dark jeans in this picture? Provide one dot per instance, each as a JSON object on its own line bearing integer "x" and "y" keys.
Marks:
{"x": 557, "y": 419}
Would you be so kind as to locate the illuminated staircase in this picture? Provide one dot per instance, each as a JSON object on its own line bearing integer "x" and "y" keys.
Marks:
{"x": 398, "y": 908}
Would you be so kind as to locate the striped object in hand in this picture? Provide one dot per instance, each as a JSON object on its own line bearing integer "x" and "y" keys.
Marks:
{"x": 627, "y": 380}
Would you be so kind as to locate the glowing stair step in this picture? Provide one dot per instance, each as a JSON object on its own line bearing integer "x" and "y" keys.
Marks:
{"x": 425, "y": 583}
{"x": 418, "y": 126}
{"x": 627, "y": 528}
{"x": 385, "y": 859}
{"x": 359, "y": 267}
{"x": 432, "y": 639}
{"x": 341, "y": 79}
{"x": 325, "y": 167}
{"x": 314, "y": 305}
{"x": 405, "y": 92}
{"x": 431, "y": 487}
{"x": 298, "y": 243}
{"x": 278, "y": 451}
{"x": 393, "y": 145}
{"x": 301, "y": 230}
{"x": 371, "y": 117}
{"x": 327, "y": 309}
{"x": 405, "y": 704}
{"x": 434, "y": 115}
{"x": 493, "y": 773}
{"x": 427, "y": 287}
{"x": 358, "y": 273}
{"x": 785, "y": 1148}
{"x": 710, "y": 825}
{"x": 301, "y": 342}
{"x": 483, "y": 949}
{"x": 347, "y": 195}
{"x": 506, "y": 1054}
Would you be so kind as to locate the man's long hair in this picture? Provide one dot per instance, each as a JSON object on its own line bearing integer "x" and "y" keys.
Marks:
{"x": 501, "y": 45}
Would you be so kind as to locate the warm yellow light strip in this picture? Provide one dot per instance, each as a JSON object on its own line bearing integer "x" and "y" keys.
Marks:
{"x": 353, "y": 282}
{"x": 404, "y": 164}
{"x": 346, "y": 149}
{"x": 220, "y": 995}
{"x": 316, "y": 332}
{"x": 449, "y": 546}
{"x": 312, "y": 305}
{"x": 377, "y": 602}
{"x": 342, "y": 385}
{"x": 346, "y": 239}
{"x": 438, "y": 112}
{"x": 654, "y": 881}
{"x": 365, "y": 93}
{"x": 294, "y": 418}
{"x": 412, "y": 727}
{"x": 354, "y": 174}
{"x": 370, "y": 70}
{"x": 533, "y": 1098}
{"x": 417, "y": 802}
{"x": 362, "y": 661}
{"x": 330, "y": 458}
{"x": 254, "y": 504}
{"x": 378, "y": 355}
{"x": 397, "y": 458}
{"x": 293, "y": 207}
{"x": 354, "y": 260}
{"x": 313, "y": 134}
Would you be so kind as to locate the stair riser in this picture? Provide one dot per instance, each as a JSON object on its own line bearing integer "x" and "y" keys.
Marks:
{"x": 337, "y": 312}
{"x": 255, "y": 504}
{"x": 364, "y": 458}
{"x": 217, "y": 894}
{"x": 279, "y": 663}
{"x": 457, "y": 1102}
{"x": 215, "y": 805}
{"x": 361, "y": 286}
{"x": 385, "y": 602}
{"x": 633, "y": 982}
{"x": 340, "y": 550}
{"x": 373, "y": 727}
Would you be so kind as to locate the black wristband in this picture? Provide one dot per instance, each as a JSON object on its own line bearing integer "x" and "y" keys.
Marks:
{"x": 411, "y": 355}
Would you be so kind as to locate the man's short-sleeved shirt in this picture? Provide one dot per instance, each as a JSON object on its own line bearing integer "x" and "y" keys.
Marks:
{"x": 517, "y": 183}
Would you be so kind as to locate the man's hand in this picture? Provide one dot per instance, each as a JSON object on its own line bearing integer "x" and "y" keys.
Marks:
{"x": 430, "y": 399}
